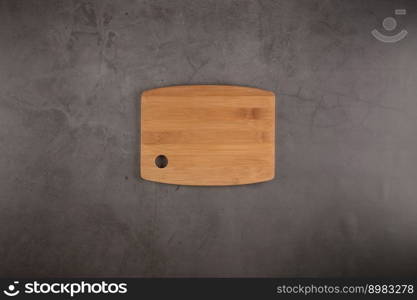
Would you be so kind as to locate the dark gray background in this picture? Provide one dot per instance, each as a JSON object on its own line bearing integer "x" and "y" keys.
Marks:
{"x": 344, "y": 199}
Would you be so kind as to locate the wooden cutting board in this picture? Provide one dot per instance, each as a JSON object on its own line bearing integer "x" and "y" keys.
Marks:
{"x": 207, "y": 135}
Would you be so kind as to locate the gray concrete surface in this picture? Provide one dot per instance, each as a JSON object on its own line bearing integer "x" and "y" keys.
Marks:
{"x": 344, "y": 200}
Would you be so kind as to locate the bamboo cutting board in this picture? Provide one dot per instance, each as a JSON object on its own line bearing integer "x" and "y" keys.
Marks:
{"x": 207, "y": 135}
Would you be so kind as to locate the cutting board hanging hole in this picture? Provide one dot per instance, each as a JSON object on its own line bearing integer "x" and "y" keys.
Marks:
{"x": 161, "y": 161}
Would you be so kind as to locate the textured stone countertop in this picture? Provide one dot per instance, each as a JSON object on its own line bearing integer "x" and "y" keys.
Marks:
{"x": 344, "y": 199}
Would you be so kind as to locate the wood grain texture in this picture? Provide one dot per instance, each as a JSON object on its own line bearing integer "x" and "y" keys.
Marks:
{"x": 211, "y": 135}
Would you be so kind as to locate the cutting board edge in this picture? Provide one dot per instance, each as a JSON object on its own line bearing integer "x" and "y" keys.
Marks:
{"x": 204, "y": 185}
{"x": 151, "y": 92}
